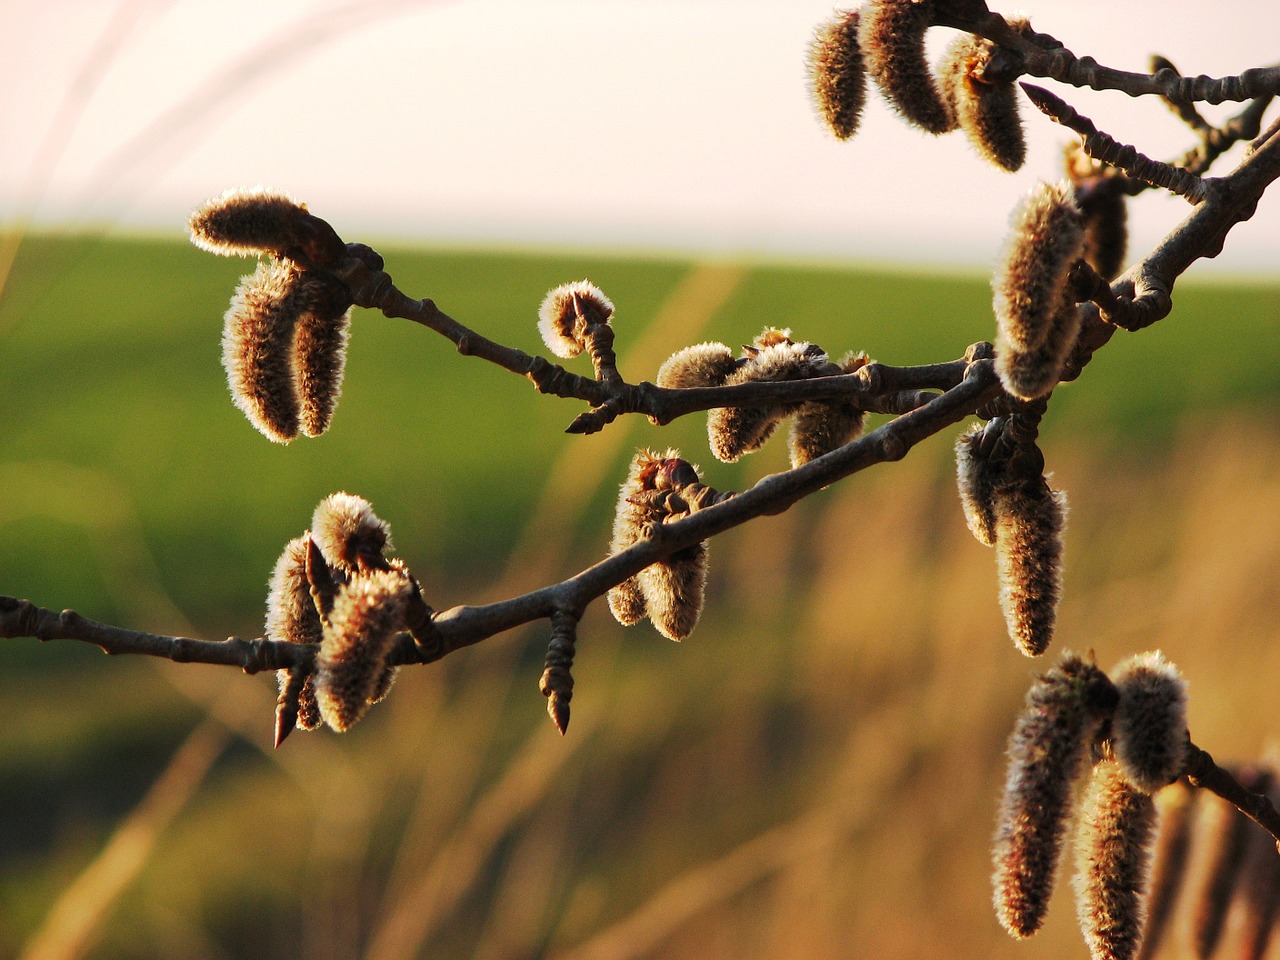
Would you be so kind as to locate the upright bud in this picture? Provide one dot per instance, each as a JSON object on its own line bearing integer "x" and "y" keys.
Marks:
{"x": 1035, "y": 314}
{"x": 1149, "y": 729}
{"x": 292, "y": 618}
{"x": 568, "y": 312}
{"x": 1029, "y": 521}
{"x": 1113, "y": 858}
{"x": 366, "y": 619}
{"x": 891, "y": 37}
{"x": 985, "y": 109}
{"x": 349, "y": 534}
{"x": 257, "y": 349}
{"x": 836, "y": 77}
{"x": 1047, "y": 753}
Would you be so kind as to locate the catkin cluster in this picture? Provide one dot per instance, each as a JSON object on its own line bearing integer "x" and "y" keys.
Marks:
{"x": 284, "y": 338}
{"x": 1136, "y": 721}
{"x": 334, "y": 586}
{"x": 818, "y": 426}
{"x": 972, "y": 88}
{"x": 661, "y": 488}
{"x": 1013, "y": 508}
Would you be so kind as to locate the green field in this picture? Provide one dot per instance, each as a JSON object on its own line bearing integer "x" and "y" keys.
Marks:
{"x": 136, "y": 493}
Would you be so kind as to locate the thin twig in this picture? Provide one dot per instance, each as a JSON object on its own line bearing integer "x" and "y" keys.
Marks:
{"x": 1203, "y": 772}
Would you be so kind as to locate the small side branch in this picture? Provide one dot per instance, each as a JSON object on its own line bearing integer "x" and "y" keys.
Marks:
{"x": 1204, "y": 773}
{"x": 1107, "y": 149}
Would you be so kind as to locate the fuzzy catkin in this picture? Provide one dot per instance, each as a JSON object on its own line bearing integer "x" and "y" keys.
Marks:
{"x": 701, "y": 365}
{"x": 821, "y": 426}
{"x": 348, "y": 532}
{"x": 1103, "y": 206}
{"x": 837, "y": 80}
{"x": 567, "y": 312}
{"x": 674, "y": 591}
{"x": 1029, "y": 521}
{"x": 977, "y": 478}
{"x": 320, "y": 349}
{"x": 1149, "y": 729}
{"x": 987, "y": 112}
{"x": 891, "y": 38}
{"x": 366, "y": 619}
{"x": 1034, "y": 372}
{"x": 1113, "y": 859}
{"x": 257, "y": 349}
{"x": 1047, "y": 750}
{"x": 1045, "y": 241}
{"x": 292, "y": 618}
{"x": 247, "y": 222}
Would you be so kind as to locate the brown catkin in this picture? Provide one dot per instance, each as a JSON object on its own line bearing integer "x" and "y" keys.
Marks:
{"x": 891, "y": 37}
{"x": 821, "y": 426}
{"x": 701, "y": 365}
{"x": 1149, "y": 729}
{"x": 987, "y": 112}
{"x": 320, "y": 348}
{"x": 977, "y": 478}
{"x": 1029, "y": 522}
{"x": 248, "y": 222}
{"x": 671, "y": 591}
{"x": 1047, "y": 750}
{"x": 1113, "y": 859}
{"x": 837, "y": 80}
{"x": 257, "y": 349}
{"x": 292, "y": 618}
{"x": 362, "y": 630}
{"x": 1100, "y": 195}
{"x": 348, "y": 532}
{"x": 1034, "y": 372}
{"x": 566, "y": 313}
{"x": 1045, "y": 241}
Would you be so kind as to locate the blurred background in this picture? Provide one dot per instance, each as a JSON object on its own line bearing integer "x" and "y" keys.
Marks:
{"x": 814, "y": 773}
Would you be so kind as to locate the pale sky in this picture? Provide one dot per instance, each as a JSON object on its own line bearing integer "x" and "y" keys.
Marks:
{"x": 666, "y": 125}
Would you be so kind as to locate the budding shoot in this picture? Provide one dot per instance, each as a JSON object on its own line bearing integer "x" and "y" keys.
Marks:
{"x": 567, "y": 314}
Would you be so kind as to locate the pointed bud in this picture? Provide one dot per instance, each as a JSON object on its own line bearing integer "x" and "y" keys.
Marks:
{"x": 320, "y": 349}
{"x": 1047, "y": 752}
{"x": 1113, "y": 859}
{"x": 891, "y": 37}
{"x": 701, "y": 365}
{"x": 349, "y": 534}
{"x": 986, "y": 110}
{"x": 1149, "y": 730}
{"x": 568, "y": 312}
{"x": 248, "y": 222}
{"x": 257, "y": 349}
{"x": 977, "y": 478}
{"x": 366, "y": 620}
{"x": 556, "y": 683}
{"x": 292, "y": 618}
{"x": 822, "y": 426}
{"x": 837, "y": 80}
{"x": 1045, "y": 241}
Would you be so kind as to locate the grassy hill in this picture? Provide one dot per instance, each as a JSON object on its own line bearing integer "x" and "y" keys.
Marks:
{"x": 826, "y": 746}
